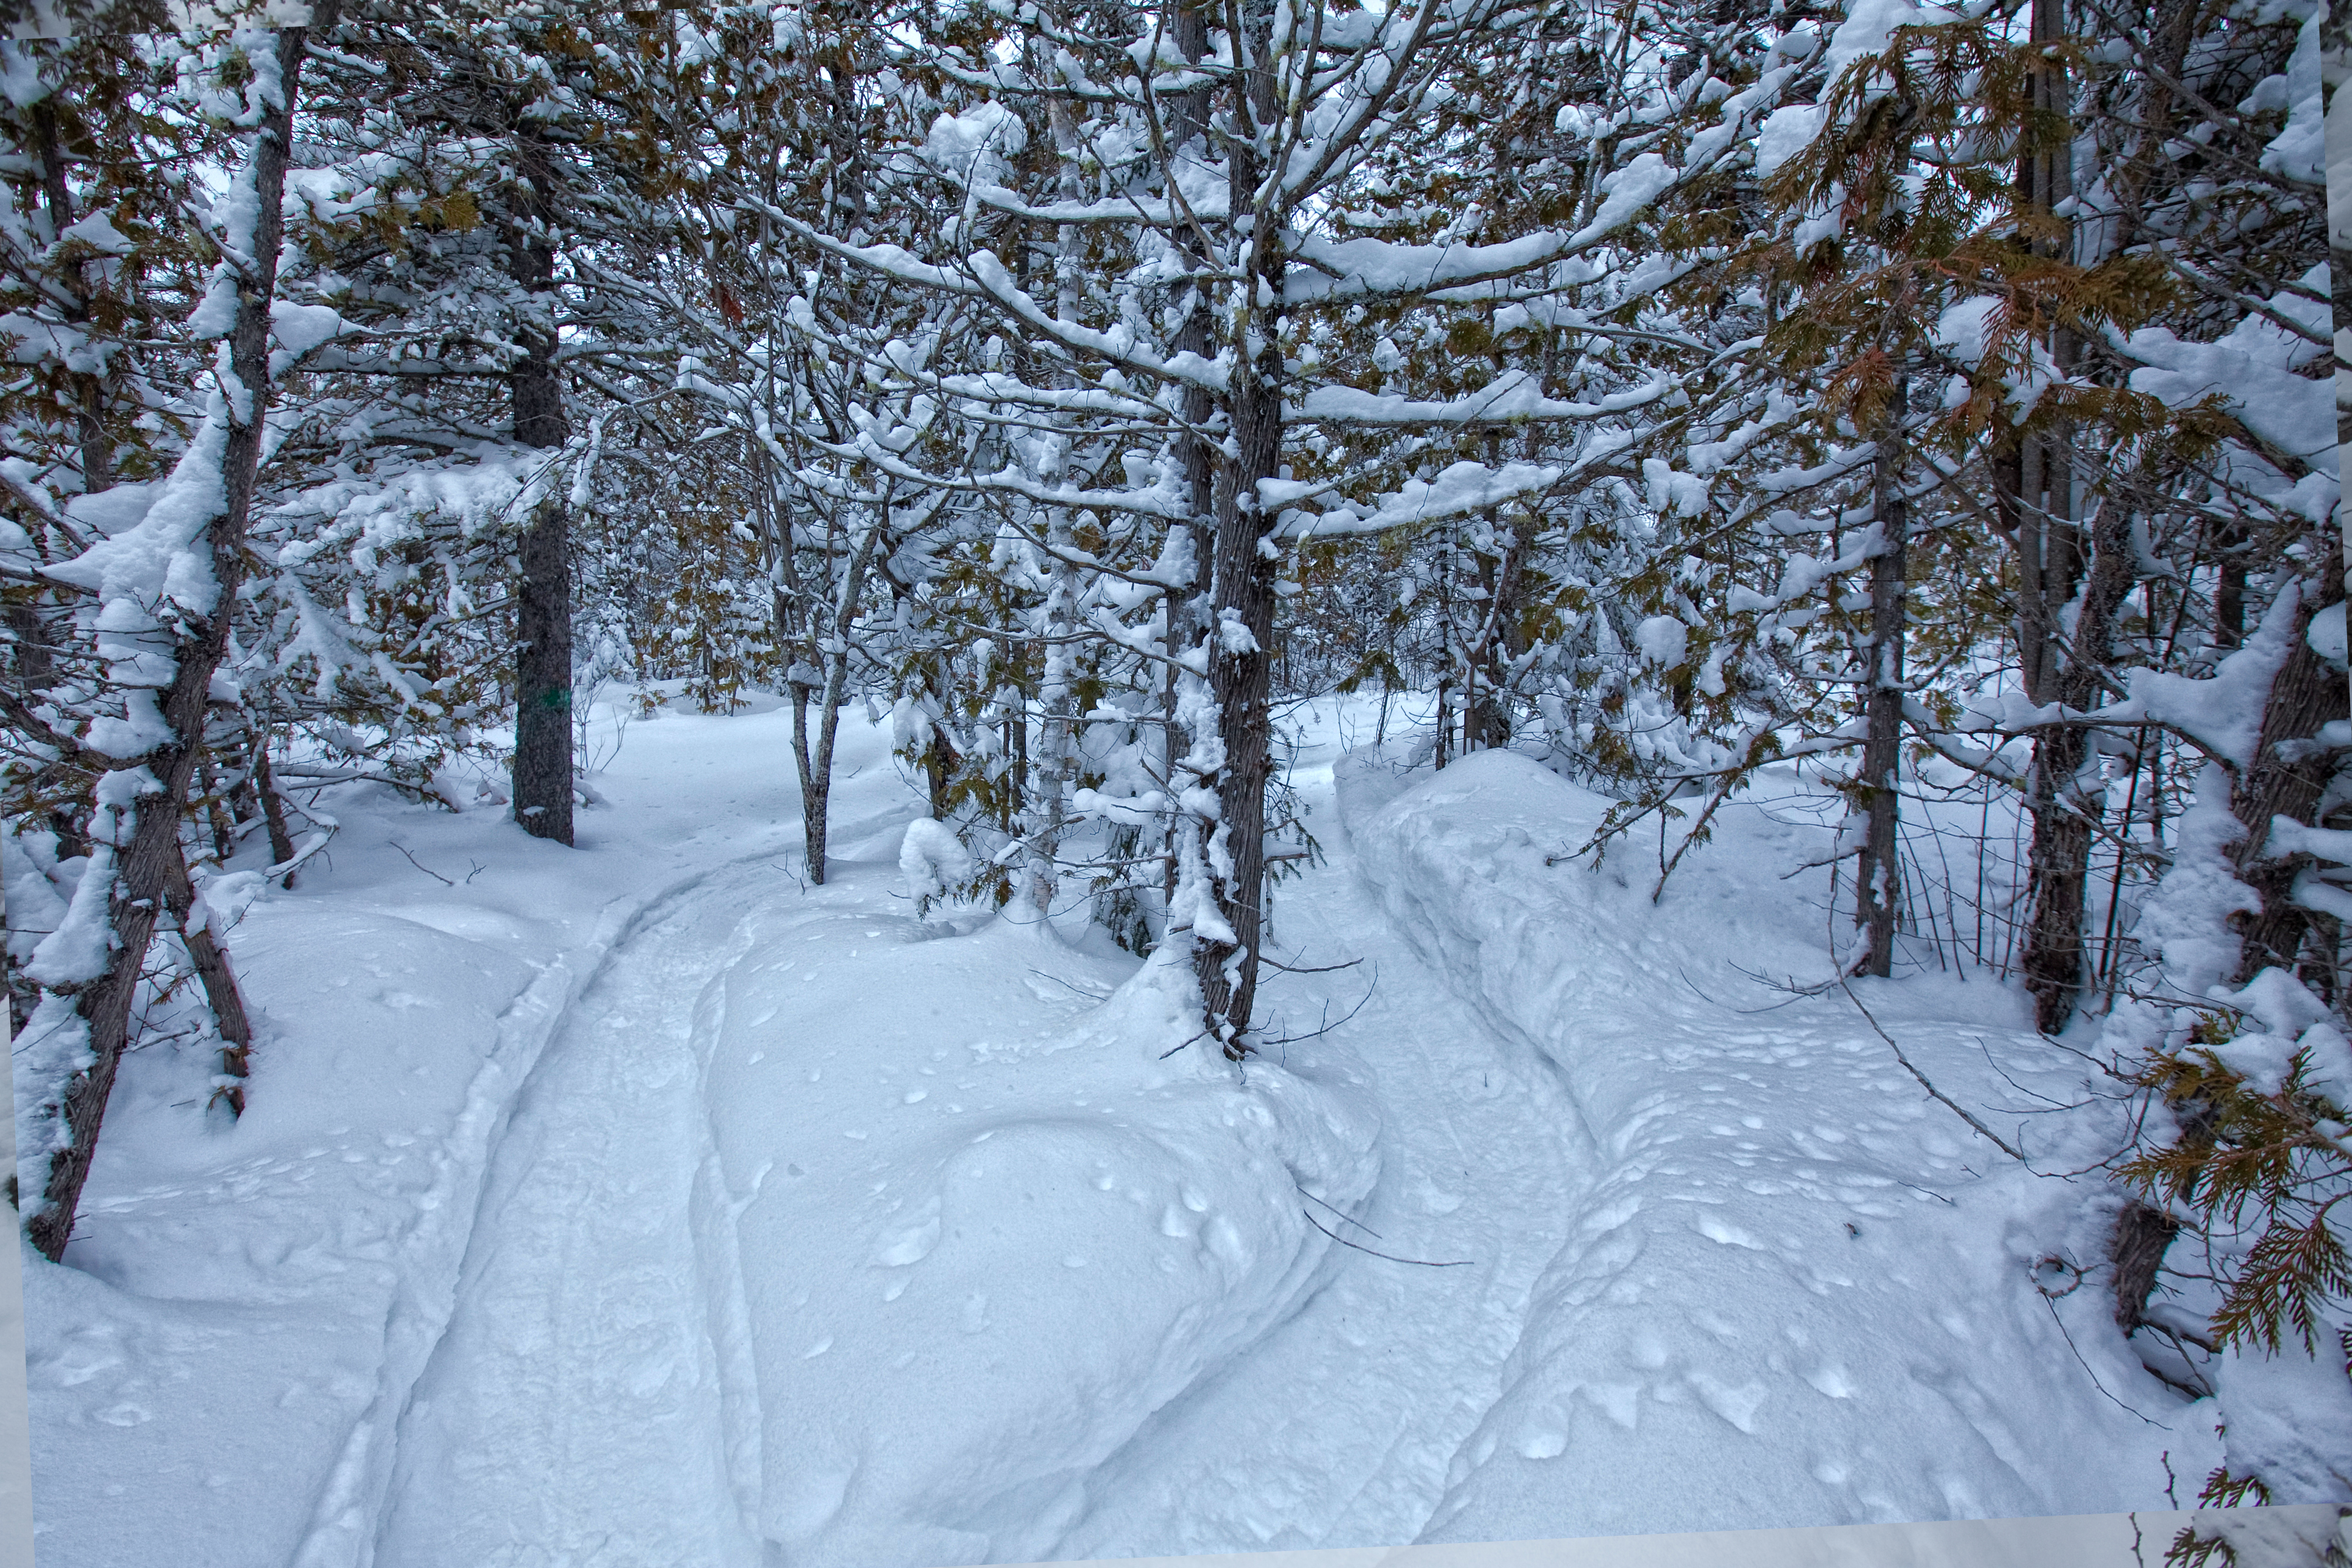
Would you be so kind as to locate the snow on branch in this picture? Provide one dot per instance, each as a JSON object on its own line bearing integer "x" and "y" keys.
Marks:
{"x": 1513, "y": 396}
{"x": 1463, "y": 487}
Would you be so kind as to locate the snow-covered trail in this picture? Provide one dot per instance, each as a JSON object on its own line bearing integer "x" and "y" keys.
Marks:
{"x": 574, "y": 1397}
{"x": 801, "y": 1229}
{"x": 1798, "y": 1281}
{"x": 597, "y": 1395}
{"x": 1341, "y": 1427}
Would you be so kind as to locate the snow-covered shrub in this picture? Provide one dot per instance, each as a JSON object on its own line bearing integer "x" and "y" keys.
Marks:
{"x": 935, "y": 863}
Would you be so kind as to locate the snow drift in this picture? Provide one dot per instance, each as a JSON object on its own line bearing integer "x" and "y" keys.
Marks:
{"x": 1797, "y": 1292}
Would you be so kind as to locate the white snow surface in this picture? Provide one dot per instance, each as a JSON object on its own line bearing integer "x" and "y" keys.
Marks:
{"x": 643, "y": 1203}
{"x": 1782, "y": 1256}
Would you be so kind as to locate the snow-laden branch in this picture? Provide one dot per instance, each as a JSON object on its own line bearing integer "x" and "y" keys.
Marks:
{"x": 1514, "y": 396}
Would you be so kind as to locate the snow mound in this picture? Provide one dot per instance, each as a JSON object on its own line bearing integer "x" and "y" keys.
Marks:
{"x": 969, "y": 1270}
{"x": 933, "y": 859}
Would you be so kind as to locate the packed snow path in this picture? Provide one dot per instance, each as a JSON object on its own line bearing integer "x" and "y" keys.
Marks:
{"x": 572, "y": 1406}
{"x": 1341, "y": 1426}
{"x": 596, "y": 1398}
{"x": 741, "y": 1280}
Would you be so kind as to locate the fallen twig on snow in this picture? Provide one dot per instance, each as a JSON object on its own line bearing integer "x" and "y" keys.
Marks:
{"x": 1392, "y": 1258}
{"x": 1337, "y": 1213}
{"x": 421, "y": 865}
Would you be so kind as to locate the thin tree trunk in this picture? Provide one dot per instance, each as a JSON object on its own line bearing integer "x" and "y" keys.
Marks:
{"x": 273, "y": 808}
{"x": 35, "y": 662}
{"x": 1442, "y": 740}
{"x": 938, "y": 771}
{"x": 2066, "y": 805}
{"x": 1240, "y": 677}
{"x": 2051, "y": 566}
{"x": 812, "y": 756}
{"x": 1878, "y": 875}
{"x": 36, "y": 673}
{"x": 543, "y": 759}
{"x": 146, "y": 870}
{"x": 1187, "y": 132}
{"x": 1489, "y": 722}
{"x": 89, "y": 387}
{"x": 2229, "y": 587}
{"x": 244, "y": 791}
{"x": 211, "y": 966}
{"x": 217, "y": 809}
{"x": 1048, "y": 809}
{"x": 1241, "y": 637}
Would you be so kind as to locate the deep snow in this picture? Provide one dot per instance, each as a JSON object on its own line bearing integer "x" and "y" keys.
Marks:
{"x": 645, "y": 1203}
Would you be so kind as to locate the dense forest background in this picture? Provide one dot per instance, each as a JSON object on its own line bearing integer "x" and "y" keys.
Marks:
{"x": 1665, "y": 390}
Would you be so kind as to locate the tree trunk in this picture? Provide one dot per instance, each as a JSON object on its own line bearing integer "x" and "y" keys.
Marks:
{"x": 1047, "y": 812}
{"x": 2066, "y": 802}
{"x": 1056, "y": 773}
{"x": 1878, "y": 878}
{"x": 273, "y": 808}
{"x": 813, "y": 792}
{"x": 211, "y": 966}
{"x": 2137, "y": 1248}
{"x": 940, "y": 761}
{"x": 146, "y": 871}
{"x": 216, "y": 810}
{"x": 2050, "y": 558}
{"x": 1242, "y": 599}
{"x": 812, "y": 755}
{"x": 1196, "y": 452}
{"x": 2286, "y": 780}
{"x": 1240, "y": 677}
{"x": 1489, "y": 721}
{"x": 91, "y": 388}
{"x": 54, "y": 781}
{"x": 543, "y": 759}
{"x": 2229, "y": 587}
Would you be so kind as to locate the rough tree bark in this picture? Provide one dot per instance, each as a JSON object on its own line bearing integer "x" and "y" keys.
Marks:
{"x": 151, "y": 863}
{"x": 2289, "y": 774}
{"x": 1242, "y": 598}
{"x": 2064, "y": 796}
{"x": 2045, "y": 515}
{"x": 542, "y": 758}
{"x": 1877, "y": 876}
{"x": 2137, "y": 1248}
{"x": 273, "y": 808}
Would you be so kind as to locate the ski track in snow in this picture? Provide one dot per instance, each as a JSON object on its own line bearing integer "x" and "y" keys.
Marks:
{"x": 1341, "y": 1428}
{"x": 575, "y": 1385}
{"x": 583, "y": 1382}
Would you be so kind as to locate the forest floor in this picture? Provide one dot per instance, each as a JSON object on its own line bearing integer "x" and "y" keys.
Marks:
{"x": 643, "y": 1204}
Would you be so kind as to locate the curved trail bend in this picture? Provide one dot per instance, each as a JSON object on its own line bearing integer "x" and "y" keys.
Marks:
{"x": 598, "y": 1396}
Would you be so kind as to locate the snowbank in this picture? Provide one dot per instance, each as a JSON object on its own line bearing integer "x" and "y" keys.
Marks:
{"x": 1798, "y": 1293}
{"x": 224, "y": 1325}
